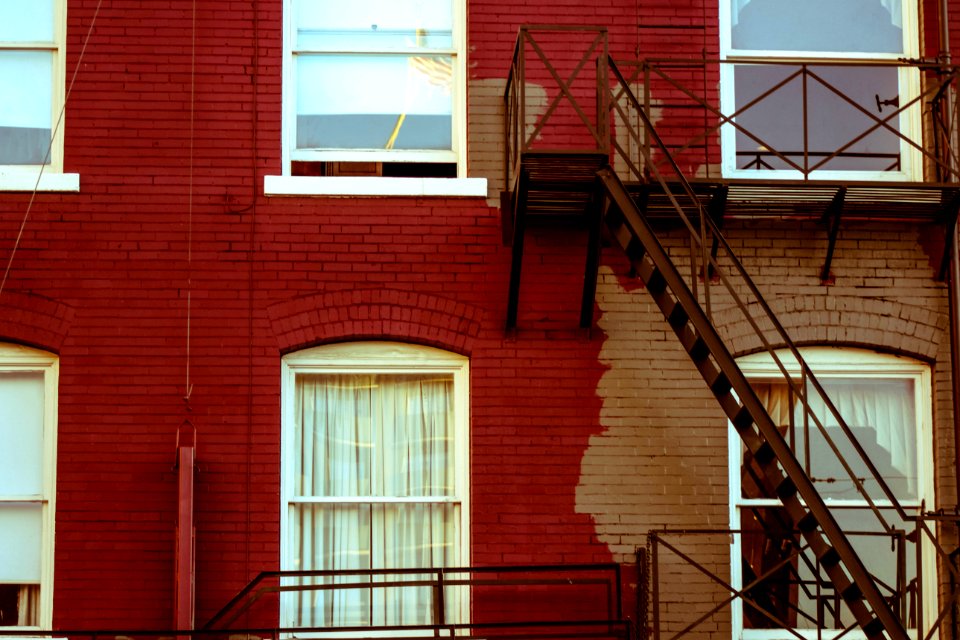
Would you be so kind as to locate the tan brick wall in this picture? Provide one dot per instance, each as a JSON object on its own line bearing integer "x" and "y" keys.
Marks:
{"x": 661, "y": 461}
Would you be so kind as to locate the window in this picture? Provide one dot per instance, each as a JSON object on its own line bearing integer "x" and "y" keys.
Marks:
{"x": 374, "y": 477}
{"x": 377, "y": 82}
{"x": 32, "y": 94}
{"x": 886, "y": 402}
{"x": 28, "y": 424}
{"x": 806, "y": 79}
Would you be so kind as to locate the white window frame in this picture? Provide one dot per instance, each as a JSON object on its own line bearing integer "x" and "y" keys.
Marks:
{"x": 373, "y": 358}
{"x": 18, "y": 358}
{"x": 828, "y": 362}
{"x": 461, "y": 186}
{"x": 24, "y": 177}
{"x": 911, "y": 167}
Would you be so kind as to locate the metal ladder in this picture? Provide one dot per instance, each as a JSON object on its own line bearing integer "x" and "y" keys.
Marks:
{"x": 782, "y": 474}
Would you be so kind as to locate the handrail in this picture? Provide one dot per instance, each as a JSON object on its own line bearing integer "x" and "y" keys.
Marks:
{"x": 717, "y": 238}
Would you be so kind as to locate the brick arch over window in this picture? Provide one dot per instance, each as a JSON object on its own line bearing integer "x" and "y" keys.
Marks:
{"x": 872, "y": 323}
{"x": 34, "y": 320}
{"x": 382, "y": 314}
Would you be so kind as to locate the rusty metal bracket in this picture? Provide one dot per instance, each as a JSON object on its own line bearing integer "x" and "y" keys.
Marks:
{"x": 832, "y": 215}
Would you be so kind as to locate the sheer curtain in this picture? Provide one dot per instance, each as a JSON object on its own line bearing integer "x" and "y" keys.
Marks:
{"x": 28, "y": 605}
{"x": 882, "y": 415}
{"x": 372, "y": 436}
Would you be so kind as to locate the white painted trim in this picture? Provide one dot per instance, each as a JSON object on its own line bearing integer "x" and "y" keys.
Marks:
{"x": 374, "y": 186}
{"x": 49, "y": 181}
{"x": 379, "y": 357}
{"x": 14, "y": 357}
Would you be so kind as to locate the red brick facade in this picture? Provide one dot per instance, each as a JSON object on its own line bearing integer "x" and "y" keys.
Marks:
{"x": 157, "y": 247}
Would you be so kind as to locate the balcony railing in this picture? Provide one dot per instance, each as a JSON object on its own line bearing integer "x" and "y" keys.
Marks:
{"x": 801, "y": 119}
{"x": 540, "y": 602}
{"x": 855, "y": 121}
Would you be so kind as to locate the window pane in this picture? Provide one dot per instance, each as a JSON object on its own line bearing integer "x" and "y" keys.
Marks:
{"x": 374, "y": 102}
{"x": 770, "y": 106}
{"x": 26, "y": 21}
{"x": 331, "y": 537}
{"x": 416, "y": 445}
{"x": 374, "y": 435}
{"x": 880, "y": 412}
{"x": 21, "y": 432}
{"x": 26, "y": 84}
{"x": 332, "y": 436}
{"x": 788, "y": 593}
{"x": 19, "y": 605}
{"x": 871, "y": 26}
{"x": 382, "y": 536}
{"x": 882, "y": 416}
{"x": 374, "y": 25}
{"x": 20, "y": 535}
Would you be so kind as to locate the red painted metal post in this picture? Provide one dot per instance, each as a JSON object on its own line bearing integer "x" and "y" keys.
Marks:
{"x": 184, "y": 574}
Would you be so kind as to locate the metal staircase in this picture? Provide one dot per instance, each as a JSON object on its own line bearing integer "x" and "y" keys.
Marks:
{"x": 783, "y": 475}
{"x": 660, "y": 197}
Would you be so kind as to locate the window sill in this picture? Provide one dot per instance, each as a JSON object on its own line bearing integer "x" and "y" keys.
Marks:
{"x": 374, "y": 186}
{"x": 66, "y": 182}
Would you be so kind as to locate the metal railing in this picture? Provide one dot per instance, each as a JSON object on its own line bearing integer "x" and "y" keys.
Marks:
{"x": 787, "y": 592}
{"x": 876, "y": 134}
{"x": 532, "y": 602}
{"x": 454, "y": 601}
{"x": 555, "y": 93}
{"x": 719, "y": 280}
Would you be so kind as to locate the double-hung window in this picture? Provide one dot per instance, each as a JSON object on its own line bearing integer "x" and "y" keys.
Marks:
{"x": 28, "y": 424}
{"x": 32, "y": 95}
{"x": 374, "y": 478}
{"x": 818, "y": 89}
{"x": 379, "y": 82}
{"x": 886, "y": 403}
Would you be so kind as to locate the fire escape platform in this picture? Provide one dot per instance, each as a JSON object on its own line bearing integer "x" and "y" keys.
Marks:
{"x": 558, "y": 187}
{"x": 798, "y": 200}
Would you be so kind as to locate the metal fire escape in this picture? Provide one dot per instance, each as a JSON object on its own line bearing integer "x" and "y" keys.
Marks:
{"x": 590, "y": 152}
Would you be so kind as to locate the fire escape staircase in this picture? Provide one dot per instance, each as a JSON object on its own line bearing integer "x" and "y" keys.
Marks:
{"x": 782, "y": 473}
{"x": 585, "y": 182}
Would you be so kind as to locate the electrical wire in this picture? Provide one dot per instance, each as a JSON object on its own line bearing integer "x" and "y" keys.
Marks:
{"x": 188, "y": 386}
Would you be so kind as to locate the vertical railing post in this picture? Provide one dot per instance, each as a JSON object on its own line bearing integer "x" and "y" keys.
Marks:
{"x": 439, "y": 603}
{"x": 900, "y": 539}
{"x": 919, "y": 564}
{"x": 522, "y": 90}
{"x": 655, "y": 584}
{"x": 603, "y": 91}
{"x": 643, "y": 595}
{"x": 806, "y": 133}
{"x": 646, "y": 110}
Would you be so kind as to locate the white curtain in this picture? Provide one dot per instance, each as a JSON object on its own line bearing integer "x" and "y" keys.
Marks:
{"x": 880, "y": 412}
{"x": 887, "y": 407}
{"x": 380, "y": 436}
{"x": 894, "y": 7}
{"x": 28, "y": 606}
